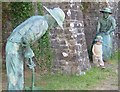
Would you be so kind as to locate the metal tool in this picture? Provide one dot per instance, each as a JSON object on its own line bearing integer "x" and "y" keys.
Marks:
{"x": 32, "y": 66}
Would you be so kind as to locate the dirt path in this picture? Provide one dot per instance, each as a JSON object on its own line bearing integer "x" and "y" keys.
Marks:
{"x": 108, "y": 84}
{"x": 111, "y": 83}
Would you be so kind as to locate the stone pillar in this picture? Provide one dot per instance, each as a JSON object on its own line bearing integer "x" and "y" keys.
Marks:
{"x": 118, "y": 24}
{"x": 0, "y": 46}
{"x": 69, "y": 46}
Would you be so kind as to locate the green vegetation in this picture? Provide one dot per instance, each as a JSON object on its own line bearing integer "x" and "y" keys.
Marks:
{"x": 116, "y": 56}
{"x": 43, "y": 53}
{"x": 42, "y": 49}
{"x": 72, "y": 82}
{"x": 20, "y": 12}
{"x": 84, "y": 6}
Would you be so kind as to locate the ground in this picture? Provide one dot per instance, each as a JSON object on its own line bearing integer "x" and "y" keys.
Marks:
{"x": 110, "y": 83}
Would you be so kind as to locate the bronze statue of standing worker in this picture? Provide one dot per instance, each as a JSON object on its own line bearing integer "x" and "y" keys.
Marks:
{"x": 18, "y": 44}
{"x": 105, "y": 27}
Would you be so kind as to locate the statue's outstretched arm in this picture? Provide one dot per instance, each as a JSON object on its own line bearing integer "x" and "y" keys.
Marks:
{"x": 98, "y": 27}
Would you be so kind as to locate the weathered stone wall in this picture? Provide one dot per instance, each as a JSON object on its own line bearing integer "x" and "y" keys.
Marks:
{"x": 69, "y": 46}
{"x": 0, "y": 26}
{"x": 118, "y": 24}
{"x": 0, "y": 46}
{"x": 6, "y": 26}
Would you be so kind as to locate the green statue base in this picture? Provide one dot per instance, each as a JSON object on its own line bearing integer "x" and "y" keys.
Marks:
{"x": 32, "y": 88}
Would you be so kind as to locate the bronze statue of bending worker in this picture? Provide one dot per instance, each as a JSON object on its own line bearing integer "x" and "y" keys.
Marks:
{"x": 18, "y": 44}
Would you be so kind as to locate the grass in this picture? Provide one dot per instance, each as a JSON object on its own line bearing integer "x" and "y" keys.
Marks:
{"x": 72, "y": 82}
{"x": 88, "y": 81}
{"x": 116, "y": 56}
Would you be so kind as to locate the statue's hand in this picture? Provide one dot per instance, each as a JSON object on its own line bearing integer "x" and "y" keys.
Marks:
{"x": 31, "y": 63}
{"x": 28, "y": 52}
{"x": 31, "y": 66}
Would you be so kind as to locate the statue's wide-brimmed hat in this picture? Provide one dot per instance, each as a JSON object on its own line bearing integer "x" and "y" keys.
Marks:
{"x": 99, "y": 39}
{"x": 106, "y": 10}
{"x": 57, "y": 14}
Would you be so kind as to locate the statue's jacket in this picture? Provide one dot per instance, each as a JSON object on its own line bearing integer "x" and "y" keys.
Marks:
{"x": 28, "y": 32}
{"x": 107, "y": 25}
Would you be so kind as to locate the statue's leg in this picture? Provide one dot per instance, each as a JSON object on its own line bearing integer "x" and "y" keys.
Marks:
{"x": 14, "y": 66}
